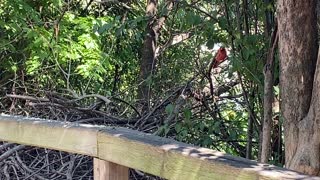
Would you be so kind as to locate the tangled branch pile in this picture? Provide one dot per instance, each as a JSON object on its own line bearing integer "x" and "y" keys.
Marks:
{"x": 24, "y": 162}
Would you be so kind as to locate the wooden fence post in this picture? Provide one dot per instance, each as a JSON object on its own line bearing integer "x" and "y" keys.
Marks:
{"x": 104, "y": 170}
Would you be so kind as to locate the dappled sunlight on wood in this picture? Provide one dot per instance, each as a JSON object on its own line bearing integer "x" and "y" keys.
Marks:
{"x": 152, "y": 154}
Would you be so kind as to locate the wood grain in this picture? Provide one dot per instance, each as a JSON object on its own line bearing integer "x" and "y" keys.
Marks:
{"x": 56, "y": 135}
{"x": 104, "y": 170}
{"x": 152, "y": 154}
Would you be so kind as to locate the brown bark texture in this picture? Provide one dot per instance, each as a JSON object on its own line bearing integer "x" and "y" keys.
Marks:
{"x": 299, "y": 84}
{"x": 148, "y": 55}
{"x": 148, "y": 59}
{"x": 268, "y": 98}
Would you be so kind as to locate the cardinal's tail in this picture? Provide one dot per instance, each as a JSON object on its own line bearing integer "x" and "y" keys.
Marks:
{"x": 215, "y": 64}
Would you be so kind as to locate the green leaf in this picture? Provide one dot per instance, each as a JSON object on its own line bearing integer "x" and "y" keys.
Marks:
{"x": 169, "y": 109}
{"x": 193, "y": 19}
{"x": 216, "y": 126}
{"x": 178, "y": 127}
{"x": 233, "y": 135}
{"x": 207, "y": 141}
{"x": 187, "y": 114}
{"x": 105, "y": 28}
{"x": 246, "y": 54}
{"x": 210, "y": 43}
{"x": 223, "y": 23}
{"x": 166, "y": 129}
{"x": 202, "y": 126}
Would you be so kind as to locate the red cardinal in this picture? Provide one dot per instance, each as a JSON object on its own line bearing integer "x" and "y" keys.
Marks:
{"x": 220, "y": 57}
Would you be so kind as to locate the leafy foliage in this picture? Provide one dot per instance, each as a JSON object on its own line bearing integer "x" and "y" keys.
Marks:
{"x": 76, "y": 48}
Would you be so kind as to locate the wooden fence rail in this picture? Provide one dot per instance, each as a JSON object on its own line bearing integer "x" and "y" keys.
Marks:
{"x": 117, "y": 149}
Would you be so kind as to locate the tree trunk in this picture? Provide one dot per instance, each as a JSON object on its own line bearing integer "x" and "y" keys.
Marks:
{"x": 268, "y": 99}
{"x": 148, "y": 59}
{"x": 298, "y": 54}
{"x": 265, "y": 137}
{"x": 148, "y": 56}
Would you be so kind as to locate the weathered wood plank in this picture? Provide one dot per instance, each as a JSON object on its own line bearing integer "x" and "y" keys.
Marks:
{"x": 174, "y": 160}
{"x": 105, "y": 170}
{"x": 155, "y": 155}
{"x": 56, "y": 135}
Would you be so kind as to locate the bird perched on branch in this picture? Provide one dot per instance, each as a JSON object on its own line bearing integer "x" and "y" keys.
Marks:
{"x": 218, "y": 59}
